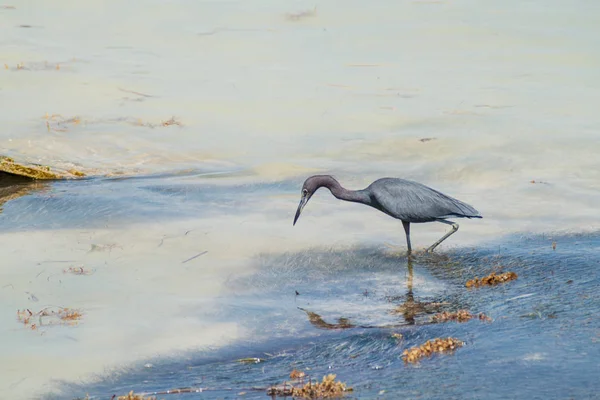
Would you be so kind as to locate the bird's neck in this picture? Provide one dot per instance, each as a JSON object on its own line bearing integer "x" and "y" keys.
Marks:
{"x": 357, "y": 196}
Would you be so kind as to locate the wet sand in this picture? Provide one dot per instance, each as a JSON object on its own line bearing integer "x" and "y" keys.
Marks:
{"x": 493, "y": 104}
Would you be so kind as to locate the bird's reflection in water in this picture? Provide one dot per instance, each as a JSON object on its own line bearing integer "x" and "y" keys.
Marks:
{"x": 409, "y": 309}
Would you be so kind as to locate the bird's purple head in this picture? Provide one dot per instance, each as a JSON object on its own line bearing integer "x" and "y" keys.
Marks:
{"x": 309, "y": 188}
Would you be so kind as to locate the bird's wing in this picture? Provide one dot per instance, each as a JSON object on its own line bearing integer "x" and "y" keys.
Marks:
{"x": 414, "y": 202}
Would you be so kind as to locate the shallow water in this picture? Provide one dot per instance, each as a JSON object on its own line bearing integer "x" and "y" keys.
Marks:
{"x": 542, "y": 343}
{"x": 185, "y": 224}
{"x": 189, "y": 274}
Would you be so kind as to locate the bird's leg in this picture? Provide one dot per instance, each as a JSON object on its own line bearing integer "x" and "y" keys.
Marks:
{"x": 407, "y": 231}
{"x": 436, "y": 244}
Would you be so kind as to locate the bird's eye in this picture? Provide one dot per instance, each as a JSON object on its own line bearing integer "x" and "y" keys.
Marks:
{"x": 304, "y": 192}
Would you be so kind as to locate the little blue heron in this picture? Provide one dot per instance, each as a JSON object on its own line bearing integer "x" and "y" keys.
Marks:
{"x": 402, "y": 199}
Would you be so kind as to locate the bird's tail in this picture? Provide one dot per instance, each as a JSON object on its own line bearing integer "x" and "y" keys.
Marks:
{"x": 464, "y": 210}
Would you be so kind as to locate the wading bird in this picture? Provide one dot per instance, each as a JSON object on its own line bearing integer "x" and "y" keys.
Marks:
{"x": 405, "y": 200}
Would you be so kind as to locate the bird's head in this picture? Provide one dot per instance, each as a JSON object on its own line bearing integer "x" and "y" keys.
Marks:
{"x": 309, "y": 188}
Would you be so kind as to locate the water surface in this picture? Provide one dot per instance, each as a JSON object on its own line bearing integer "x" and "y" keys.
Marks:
{"x": 542, "y": 342}
{"x": 197, "y": 122}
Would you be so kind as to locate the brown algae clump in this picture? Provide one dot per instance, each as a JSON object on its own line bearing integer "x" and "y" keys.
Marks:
{"x": 33, "y": 171}
{"x": 49, "y": 317}
{"x": 458, "y": 316}
{"x": 491, "y": 280}
{"x": 327, "y": 389}
{"x": 75, "y": 172}
{"x": 133, "y": 396}
{"x": 427, "y": 349}
{"x": 68, "y": 314}
{"x": 9, "y": 166}
{"x": 295, "y": 374}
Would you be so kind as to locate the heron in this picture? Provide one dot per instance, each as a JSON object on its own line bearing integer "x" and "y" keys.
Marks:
{"x": 408, "y": 201}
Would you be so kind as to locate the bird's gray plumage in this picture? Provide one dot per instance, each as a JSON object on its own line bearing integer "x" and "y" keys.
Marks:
{"x": 408, "y": 201}
{"x": 414, "y": 202}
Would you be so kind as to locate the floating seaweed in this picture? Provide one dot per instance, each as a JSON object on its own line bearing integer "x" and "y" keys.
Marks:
{"x": 133, "y": 396}
{"x": 284, "y": 390}
{"x": 458, "y": 316}
{"x": 328, "y": 388}
{"x": 491, "y": 280}
{"x": 296, "y": 374}
{"x": 67, "y": 314}
{"x": 430, "y": 347}
{"x": 49, "y": 317}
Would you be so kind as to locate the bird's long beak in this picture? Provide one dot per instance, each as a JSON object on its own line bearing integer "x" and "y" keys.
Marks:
{"x": 303, "y": 202}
